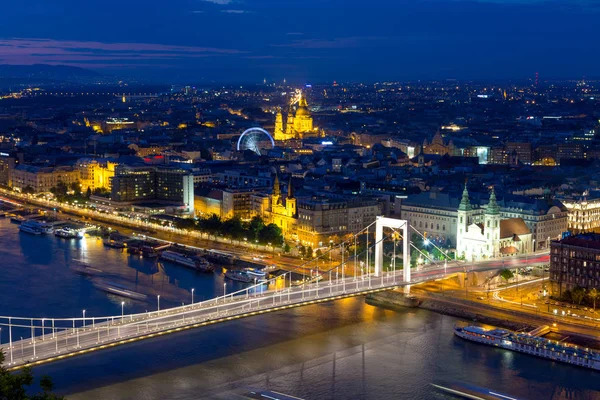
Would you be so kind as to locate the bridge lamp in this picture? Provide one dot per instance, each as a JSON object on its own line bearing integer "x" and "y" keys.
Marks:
{"x": 426, "y": 242}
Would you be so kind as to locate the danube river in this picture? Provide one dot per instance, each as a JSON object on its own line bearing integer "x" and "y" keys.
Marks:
{"x": 340, "y": 350}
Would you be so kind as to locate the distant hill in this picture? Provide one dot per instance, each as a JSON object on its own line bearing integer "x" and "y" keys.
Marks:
{"x": 43, "y": 72}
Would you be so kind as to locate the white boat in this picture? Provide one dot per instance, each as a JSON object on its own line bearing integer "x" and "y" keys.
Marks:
{"x": 531, "y": 344}
{"x": 30, "y": 228}
{"x": 255, "y": 273}
{"x": 33, "y": 226}
{"x": 246, "y": 275}
{"x": 240, "y": 276}
{"x": 67, "y": 233}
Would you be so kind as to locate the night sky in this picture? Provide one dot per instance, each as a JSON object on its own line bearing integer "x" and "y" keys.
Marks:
{"x": 307, "y": 40}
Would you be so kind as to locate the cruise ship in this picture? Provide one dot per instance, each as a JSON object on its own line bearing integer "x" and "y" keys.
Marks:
{"x": 197, "y": 263}
{"x": 531, "y": 344}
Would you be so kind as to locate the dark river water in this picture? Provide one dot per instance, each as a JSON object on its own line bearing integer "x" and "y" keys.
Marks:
{"x": 341, "y": 350}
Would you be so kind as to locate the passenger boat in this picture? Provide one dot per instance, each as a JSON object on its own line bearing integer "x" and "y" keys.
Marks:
{"x": 197, "y": 263}
{"x": 245, "y": 275}
{"x": 530, "y": 344}
{"x": 255, "y": 273}
{"x": 67, "y": 233}
{"x": 237, "y": 275}
{"x": 34, "y": 229}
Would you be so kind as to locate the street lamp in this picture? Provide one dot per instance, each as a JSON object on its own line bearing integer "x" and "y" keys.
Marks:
{"x": 224, "y": 290}
{"x": 84, "y": 318}
{"x": 192, "y": 296}
{"x": 122, "y": 309}
{"x": 158, "y": 301}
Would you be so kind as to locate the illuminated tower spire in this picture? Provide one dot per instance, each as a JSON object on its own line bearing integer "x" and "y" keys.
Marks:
{"x": 465, "y": 203}
{"x": 276, "y": 187}
{"x": 279, "y": 133}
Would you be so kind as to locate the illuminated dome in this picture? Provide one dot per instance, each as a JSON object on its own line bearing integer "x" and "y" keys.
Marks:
{"x": 302, "y": 111}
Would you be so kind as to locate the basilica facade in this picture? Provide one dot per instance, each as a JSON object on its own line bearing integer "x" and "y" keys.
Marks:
{"x": 299, "y": 121}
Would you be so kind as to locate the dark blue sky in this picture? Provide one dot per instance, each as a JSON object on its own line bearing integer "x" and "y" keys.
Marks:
{"x": 307, "y": 40}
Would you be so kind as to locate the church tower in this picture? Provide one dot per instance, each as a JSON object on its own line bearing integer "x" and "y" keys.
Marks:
{"x": 421, "y": 158}
{"x": 279, "y": 133}
{"x": 276, "y": 191}
{"x": 289, "y": 126}
{"x": 290, "y": 201}
{"x": 463, "y": 221}
{"x": 492, "y": 226}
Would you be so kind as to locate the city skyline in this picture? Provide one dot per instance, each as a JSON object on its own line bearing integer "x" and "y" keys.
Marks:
{"x": 319, "y": 41}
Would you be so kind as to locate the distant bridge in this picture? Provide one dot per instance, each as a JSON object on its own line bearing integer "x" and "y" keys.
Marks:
{"x": 52, "y": 339}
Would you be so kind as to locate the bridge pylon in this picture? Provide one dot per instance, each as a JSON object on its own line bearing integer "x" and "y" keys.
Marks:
{"x": 385, "y": 222}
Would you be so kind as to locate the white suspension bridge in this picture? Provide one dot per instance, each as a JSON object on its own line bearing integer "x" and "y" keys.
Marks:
{"x": 34, "y": 341}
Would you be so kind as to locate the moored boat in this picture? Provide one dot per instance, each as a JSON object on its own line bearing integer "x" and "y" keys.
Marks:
{"x": 246, "y": 275}
{"x": 30, "y": 229}
{"x": 67, "y": 233}
{"x": 194, "y": 262}
{"x": 532, "y": 345}
{"x": 239, "y": 276}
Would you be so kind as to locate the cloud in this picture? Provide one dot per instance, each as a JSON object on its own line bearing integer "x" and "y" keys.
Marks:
{"x": 294, "y": 33}
{"x": 235, "y": 11}
{"x": 50, "y": 51}
{"x": 197, "y": 12}
{"x": 336, "y": 43}
{"x": 220, "y": 2}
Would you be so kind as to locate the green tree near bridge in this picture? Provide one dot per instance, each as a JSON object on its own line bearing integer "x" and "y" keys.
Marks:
{"x": 506, "y": 274}
{"x": 13, "y": 386}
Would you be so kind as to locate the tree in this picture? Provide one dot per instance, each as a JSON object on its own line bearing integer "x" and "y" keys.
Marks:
{"x": 286, "y": 248}
{"x": 506, "y": 274}
{"x": 577, "y": 294}
{"x": 270, "y": 234}
{"x": 76, "y": 187}
{"x": 309, "y": 252}
{"x": 233, "y": 228}
{"x": 302, "y": 251}
{"x": 13, "y": 386}
{"x": 212, "y": 225}
{"x": 593, "y": 295}
{"x": 319, "y": 253}
{"x": 28, "y": 190}
{"x": 89, "y": 192}
{"x": 255, "y": 226}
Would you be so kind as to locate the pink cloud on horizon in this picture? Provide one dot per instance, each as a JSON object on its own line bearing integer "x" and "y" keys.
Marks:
{"x": 50, "y": 51}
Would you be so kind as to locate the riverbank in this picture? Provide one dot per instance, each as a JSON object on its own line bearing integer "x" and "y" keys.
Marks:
{"x": 481, "y": 313}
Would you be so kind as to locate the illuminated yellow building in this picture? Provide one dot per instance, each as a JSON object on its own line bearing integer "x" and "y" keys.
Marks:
{"x": 284, "y": 211}
{"x": 299, "y": 121}
{"x": 96, "y": 174}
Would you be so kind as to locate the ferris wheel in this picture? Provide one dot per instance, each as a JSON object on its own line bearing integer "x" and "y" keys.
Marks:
{"x": 256, "y": 139}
